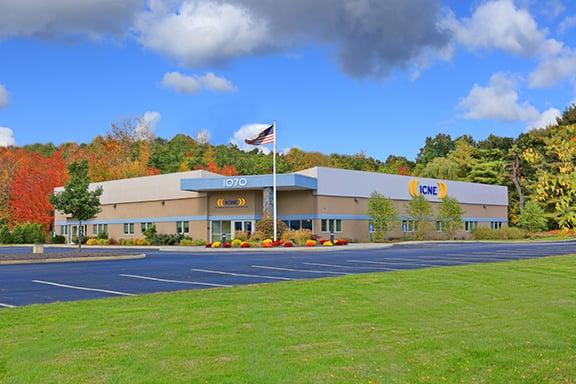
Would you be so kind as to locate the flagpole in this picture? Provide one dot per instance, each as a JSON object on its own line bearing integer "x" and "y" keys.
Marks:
{"x": 274, "y": 184}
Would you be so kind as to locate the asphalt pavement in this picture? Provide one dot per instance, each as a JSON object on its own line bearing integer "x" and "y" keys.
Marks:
{"x": 171, "y": 271}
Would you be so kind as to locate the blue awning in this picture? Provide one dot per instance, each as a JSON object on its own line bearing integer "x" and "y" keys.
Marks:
{"x": 289, "y": 181}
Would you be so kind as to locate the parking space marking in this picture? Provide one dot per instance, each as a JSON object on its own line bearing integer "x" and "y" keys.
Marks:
{"x": 299, "y": 270}
{"x": 83, "y": 288}
{"x": 242, "y": 274}
{"x": 7, "y": 305}
{"x": 347, "y": 266}
{"x": 387, "y": 263}
{"x": 175, "y": 281}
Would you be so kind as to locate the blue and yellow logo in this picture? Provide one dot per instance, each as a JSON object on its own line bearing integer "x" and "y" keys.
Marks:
{"x": 229, "y": 203}
{"x": 416, "y": 189}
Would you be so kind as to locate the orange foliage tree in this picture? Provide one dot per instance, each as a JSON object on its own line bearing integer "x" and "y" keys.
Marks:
{"x": 34, "y": 181}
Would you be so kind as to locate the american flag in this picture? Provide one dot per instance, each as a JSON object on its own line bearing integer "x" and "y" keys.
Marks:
{"x": 265, "y": 137}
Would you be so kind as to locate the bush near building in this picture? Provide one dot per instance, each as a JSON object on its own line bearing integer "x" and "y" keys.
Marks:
{"x": 27, "y": 233}
{"x": 533, "y": 218}
{"x": 266, "y": 227}
{"x": 509, "y": 233}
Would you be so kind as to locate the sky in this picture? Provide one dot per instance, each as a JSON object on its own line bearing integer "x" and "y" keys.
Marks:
{"x": 343, "y": 76}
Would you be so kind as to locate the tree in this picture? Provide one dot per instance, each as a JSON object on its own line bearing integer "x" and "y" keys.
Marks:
{"x": 533, "y": 218}
{"x": 77, "y": 200}
{"x": 568, "y": 116}
{"x": 420, "y": 210}
{"x": 441, "y": 168}
{"x": 450, "y": 213}
{"x": 382, "y": 213}
{"x": 438, "y": 146}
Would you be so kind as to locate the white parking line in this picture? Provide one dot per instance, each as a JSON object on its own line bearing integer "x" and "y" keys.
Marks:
{"x": 83, "y": 288}
{"x": 175, "y": 281}
{"x": 242, "y": 274}
{"x": 388, "y": 263}
{"x": 347, "y": 266}
{"x": 7, "y": 305}
{"x": 298, "y": 270}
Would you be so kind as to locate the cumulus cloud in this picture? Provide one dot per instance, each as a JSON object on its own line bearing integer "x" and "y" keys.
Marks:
{"x": 554, "y": 70}
{"x": 567, "y": 24}
{"x": 499, "y": 24}
{"x": 6, "y": 137}
{"x": 4, "y": 98}
{"x": 249, "y": 131}
{"x": 191, "y": 84}
{"x": 201, "y": 32}
{"x": 371, "y": 37}
{"x": 548, "y": 117}
{"x": 66, "y": 18}
{"x": 497, "y": 101}
{"x": 146, "y": 127}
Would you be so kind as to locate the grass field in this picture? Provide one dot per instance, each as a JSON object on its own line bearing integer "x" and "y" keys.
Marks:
{"x": 492, "y": 323}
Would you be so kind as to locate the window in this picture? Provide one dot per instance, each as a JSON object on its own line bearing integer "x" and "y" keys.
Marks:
{"x": 408, "y": 225}
{"x": 64, "y": 230}
{"x": 99, "y": 228}
{"x": 470, "y": 225}
{"x": 129, "y": 228}
{"x": 296, "y": 225}
{"x": 496, "y": 224}
{"x": 145, "y": 226}
{"x": 182, "y": 227}
{"x": 440, "y": 226}
{"x": 331, "y": 225}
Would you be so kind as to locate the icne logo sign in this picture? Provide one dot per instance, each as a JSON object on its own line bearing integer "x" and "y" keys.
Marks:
{"x": 416, "y": 189}
{"x": 227, "y": 203}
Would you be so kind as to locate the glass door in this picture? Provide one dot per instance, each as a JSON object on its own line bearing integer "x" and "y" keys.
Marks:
{"x": 219, "y": 228}
{"x": 243, "y": 226}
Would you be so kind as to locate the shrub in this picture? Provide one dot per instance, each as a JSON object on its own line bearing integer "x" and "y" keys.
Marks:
{"x": 288, "y": 244}
{"x": 216, "y": 244}
{"x": 241, "y": 235}
{"x": 104, "y": 242}
{"x": 267, "y": 243}
{"x": 266, "y": 226}
{"x": 277, "y": 243}
{"x": 140, "y": 241}
{"x": 257, "y": 236}
{"x": 311, "y": 243}
{"x": 102, "y": 235}
{"x": 509, "y": 233}
{"x": 112, "y": 242}
{"x": 5, "y": 235}
{"x": 227, "y": 245}
{"x": 327, "y": 243}
{"x": 28, "y": 233}
{"x": 92, "y": 242}
{"x": 126, "y": 242}
{"x": 532, "y": 218}
{"x": 57, "y": 239}
{"x": 186, "y": 242}
{"x": 245, "y": 244}
{"x": 341, "y": 242}
{"x": 236, "y": 243}
{"x": 298, "y": 237}
{"x": 198, "y": 243}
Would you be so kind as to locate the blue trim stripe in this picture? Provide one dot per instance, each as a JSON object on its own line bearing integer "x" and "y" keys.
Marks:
{"x": 252, "y": 217}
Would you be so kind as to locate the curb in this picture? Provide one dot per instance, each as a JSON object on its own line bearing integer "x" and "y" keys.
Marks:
{"x": 275, "y": 249}
{"x": 73, "y": 259}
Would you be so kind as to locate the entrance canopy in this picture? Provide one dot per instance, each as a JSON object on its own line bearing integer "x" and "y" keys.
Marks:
{"x": 286, "y": 182}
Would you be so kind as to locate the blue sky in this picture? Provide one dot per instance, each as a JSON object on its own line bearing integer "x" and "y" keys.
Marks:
{"x": 374, "y": 78}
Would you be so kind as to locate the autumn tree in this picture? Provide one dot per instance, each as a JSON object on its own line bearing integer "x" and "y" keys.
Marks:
{"x": 450, "y": 213}
{"x": 77, "y": 200}
{"x": 32, "y": 184}
{"x": 382, "y": 214}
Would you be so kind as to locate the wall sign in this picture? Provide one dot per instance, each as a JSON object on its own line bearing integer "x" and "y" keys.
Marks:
{"x": 439, "y": 190}
{"x": 235, "y": 182}
{"x": 231, "y": 203}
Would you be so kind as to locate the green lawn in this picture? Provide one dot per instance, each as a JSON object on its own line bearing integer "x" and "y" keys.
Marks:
{"x": 493, "y": 323}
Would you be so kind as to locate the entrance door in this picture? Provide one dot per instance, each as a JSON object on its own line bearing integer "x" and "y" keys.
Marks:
{"x": 220, "y": 227}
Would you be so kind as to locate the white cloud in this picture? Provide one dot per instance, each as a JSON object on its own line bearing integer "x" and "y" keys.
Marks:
{"x": 202, "y": 31}
{"x": 499, "y": 24}
{"x": 191, "y": 84}
{"x": 6, "y": 137}
{"x": 567, "y": 24}
{"x": 66, "y": 18}
{"x": 548, "y": 117}
{"x": 4, "y": 98}
{"x": 147, "y": 125}
{"x": 497, "y": 101}
{"x": 554, "y": 70}
{"x": 249, "y": 131}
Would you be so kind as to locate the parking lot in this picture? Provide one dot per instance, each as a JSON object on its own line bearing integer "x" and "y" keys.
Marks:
{"x": 170, "y": 271}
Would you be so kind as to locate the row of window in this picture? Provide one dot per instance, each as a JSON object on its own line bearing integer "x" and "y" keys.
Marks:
{"x": 469, "y": 226}
{"x": 296, "y": 225}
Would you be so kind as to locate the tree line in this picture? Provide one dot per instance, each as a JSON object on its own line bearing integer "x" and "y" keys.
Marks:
{"x": 537, "y": 166}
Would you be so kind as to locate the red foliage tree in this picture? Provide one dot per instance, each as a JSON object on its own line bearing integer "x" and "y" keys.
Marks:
{"x": 227, "y": 170}
{"x": 33, "y": 183}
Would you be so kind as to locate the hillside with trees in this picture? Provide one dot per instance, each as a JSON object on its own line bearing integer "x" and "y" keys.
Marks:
{"x": 538, "y": 166}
